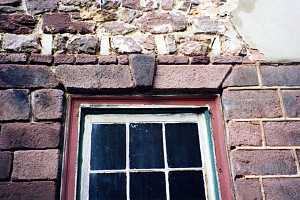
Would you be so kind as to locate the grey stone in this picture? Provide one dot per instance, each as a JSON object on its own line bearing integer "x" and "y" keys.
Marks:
{"x": 83, "y": 44}
{"x": 171, "y": 43}
{"x": 118, "y": 28}
{"x": 10, "y": 2}
{"x": 207, "y": 25}
{"x": 124, "y": 44}
{"x": 8, "y": 9}
{"x": 20, "y": 43}
{"x": 193, "y": 48}
{"x": 167, "y": 4}
{"x": 76, "y": 2}
{"x": 40, "y": 6}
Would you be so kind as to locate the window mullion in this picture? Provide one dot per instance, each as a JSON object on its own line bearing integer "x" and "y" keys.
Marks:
{"x": 127, "y": 163}
{"x": 166, "y": 161}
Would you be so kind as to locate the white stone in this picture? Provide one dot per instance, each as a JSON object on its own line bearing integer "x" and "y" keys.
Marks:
{"x": 104, "y": 45}
{"x": 161, "y": 44}
{"x": 47, "y": 42}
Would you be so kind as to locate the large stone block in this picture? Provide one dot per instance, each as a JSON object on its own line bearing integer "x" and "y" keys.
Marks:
{"x": 282, "y": 188}
{"x": 83, "y": 44}
{"x": 291, "y": 102}
{"x": 16, "y": 23}
{"x": 5, "y": 165}
{"x": 13, "y": 58}
{"x": 124, "y": 45}
{"x": 242, "y": 76}
{"x": 40, "y": 6}
{"x": 207, "y": 25}
{"x": 21, "y": 43}
{"x": 248, "y": 189}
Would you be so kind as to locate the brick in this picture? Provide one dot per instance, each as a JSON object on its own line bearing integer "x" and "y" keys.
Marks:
{"x": 142, "y": 68}
{"x": 251, "y": 104}
{"x": 60, "y": 59}
{"x": 47, "y": 104}
{"x": 171, "y": 59}
{"x": 38, "y": 190}
{"x": 282, "y": 133}
{"x": 26, "y": 76}
{"x": 30, "y": 135}
{"x": 13, "y": 58}
{"x": 37, "y": 164}
{"x": 263, "y": 162}
{"x": 40, "y": 59}
{"x": 94, "y": 77}
{"x": 86, "y": 59}
{"x": 105, "y": 60}
{"x": 242, "y": 76}
{"x": 5, "y": 165}
{"x": 17, "y": 23}
{"x": 247, "y": 189}
{"x": 280, "y": 75}
{"x": 244, "y": 133}
{"x": 291, "y": 102}
{"x": 227, "y": 60}
{"x": 14, "y": 105}
{"x": 190, "y": 76}
{"x": 282, "y": 188}
{"x": 200, "y": 60}
{"x": 123, "y": 60}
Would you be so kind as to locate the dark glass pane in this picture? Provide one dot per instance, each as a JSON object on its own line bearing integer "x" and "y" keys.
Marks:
{"x": 147, "y": 186}
{"x": 186, "y": 185}
{"x": 107, "y": 186}
{"x": 108, "y": 146}
{"x": 183, "y": 148}
{"x": 146, "y": 146}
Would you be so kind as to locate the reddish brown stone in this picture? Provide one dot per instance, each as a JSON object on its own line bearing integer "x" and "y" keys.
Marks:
{"x": 228, "y": 60}
{"x": 13, "y": 58}
{"x": 123, "y": 60}
{"x": 86, "y": 59}
{"x": 82, "y": 27}
{"x": 5, "y": 165}
{"x": 291, "y": 101}
{"x": 171, "y": 59}
{"x": 200, "y": 60}
{"x": 14, "y": 105}
{"x": 17, "y": 23}
{"x": 60, "y": 59}
{"x": 248, "y": 189}
{"x": 243, "y": 75}
{"x": 190, "y": 76}
{"x": 30, "y": 135}
{"x": 40, "y": 59}
{"x": 244, "y": 133}
{"x": 282, "y": 133}
{"x": 263, "y": 162}
{"x": 133, "y": 4}
{"x": 40, "y": 190}
{"x": 282, "y": 188}
{"x": 56, "y": 23}
{"x": 251, "y": 104}
{"x": 37, "y": 164}
{"x": 47, "y": 104}
{"x": 104, "y": 60}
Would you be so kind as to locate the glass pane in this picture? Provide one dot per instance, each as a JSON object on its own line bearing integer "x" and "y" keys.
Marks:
{"x": 107, "y": 186}
{"x": 147, "y": 186}
{"x": 108, "y": 146}
{"x": 186, "y": 185}
{"x": 183, "y": 148}
{"x": 146, "y": 146}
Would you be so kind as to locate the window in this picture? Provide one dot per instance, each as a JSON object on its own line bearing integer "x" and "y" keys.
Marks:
{"x": 142, "y": 151}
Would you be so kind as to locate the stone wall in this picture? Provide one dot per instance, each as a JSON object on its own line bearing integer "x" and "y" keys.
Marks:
{"x": 50, "y": 49}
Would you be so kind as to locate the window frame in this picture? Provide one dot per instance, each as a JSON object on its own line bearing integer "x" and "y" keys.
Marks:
{"x": 71, "y": 139}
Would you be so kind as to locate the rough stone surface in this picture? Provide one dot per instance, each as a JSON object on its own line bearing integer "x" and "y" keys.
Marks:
{"x": 263, "y": 162}
{"x": 40, "y": 6}
{"x": 207, "y": 25}
{"x": 282, "y": 188}
{"x": 200, "y": 60}
{"x": 123, "y": 60}
{"x": 40, "y": 59}
{"x": 248, "y": 189}
{"x": 105, "y": 60}
{"x": 190, "y": 76}
{"x": 242, "y": 76}
{"x": 36, "y": 164}
{"x": 244, "y": 134}
{"x": 86, "y": 59}
{"x": 21, "y": 43}
{"x": 171, "y": 59}
{"x": 142, "y": 68}
{"x": 162, "y": 22}
{"x": 193, "y": 48}
{"x": 251, "y": 104}
{"x": 26, "y": 76}
{"x": 9, "y": 9}
{"x": 291, "y": 101}
{"x": 118, "y": 28}
{"x": 282, "y": 133}
{"x": 13, "y": 58}
{"x": 128, "y": 15}
{"x": 47, "y": 104}
{"x": 125, "y": 45}
{"x": 83, "y": 44}
{"x": 10, "y": 2}
{"x": 133, "y": 4}
{"x": 167, "y": 4}
{"x": 5, "y": 165}
{"x": 14, "y": 105}
{"x": 17, "y": 23}
{"x": 30, "y": 135}
{"x": 94, "y": 77}
{"x": 64, "y": 59}
{"x": 280, "y": 75}
{"x": 38, "y": 190}
{"x": 229, "y": 60}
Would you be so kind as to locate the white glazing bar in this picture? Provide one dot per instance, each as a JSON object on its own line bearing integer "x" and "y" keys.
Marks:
{"x": 146, "y": 170}
{"x": 166, "y": 160}
{"x": 127, "y": 163}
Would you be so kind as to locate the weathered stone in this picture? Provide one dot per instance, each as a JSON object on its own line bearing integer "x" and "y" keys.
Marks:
{"x": 171, "y": 59}
{"x": 118, "y": 28}
{"x": 37, "y": 190}
{"x": 5, "y": 165}
{"x": 170, "y": 43}
{"x": 167, "y": 4}
{"x": 125, "y": 45}
{"x": 123, "y": 60}
{"x": 142, "y": 68}
{"x": 102, "y": 15}
{"x": 82, "y": 27}
{"x": 291, "y": 102}
{"x": 282, "y": 133}
{"x": 10, "y": 2}
{"x": 162, "y": 22}
{"x": 26, "y": 76}
{"x": 37, "y": 164}
{"x": 64, "y": 59}
{"x": 244, "y": 134}
{"x": 30, "y": 135}
{"x": 263, "y": 162}
{"x": 128, "y": 15}
{"x": 190, "y": 76}
{"x": 86, "y": 59}
{"x": 83, "y": 44}
{"x": 207, "y": 25}
{"x": 94, "y": 77}
{"x": 248, "y": 189}
{"x": 21, "y": 43}
{"x": 200, "y": 60}
{"x": 14, "y": 105}
{"x": 251, "y": 104}
{"x": 40, "y": 59}
{"x": 47, "y": 104}
{"x": 13, "y": 58}
{"x": 282, "y": 188}
{"x": 68, "y": 8}
{"x": 9, "y": 9}
{"x": 17, "y": 23}
{"x": 184, "y": 5}
{"x": 146, "y": 42}
{"x": 242, "y": 76}
{"x": 110, "y": 4}
{"x": 104, "y": 60}
{"x": 133, "y": 4}
{"x": 59, "y": 44}
{"x": 76, "y": 2}
{"x": 40, "y": 6}
{"x": 229, "y": 59}
{"x": 193, "y": 48}
{"x": 148, "y": 5}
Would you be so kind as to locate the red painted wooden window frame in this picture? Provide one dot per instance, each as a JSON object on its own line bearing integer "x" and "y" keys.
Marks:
{"x": 68, "y": 181}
